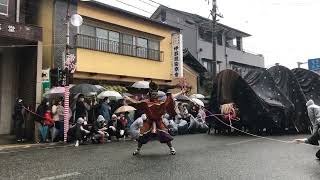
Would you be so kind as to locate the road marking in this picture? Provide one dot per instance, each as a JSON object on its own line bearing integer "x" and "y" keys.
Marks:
{"x": 61, "y": 176}
{"x": 245, "y": 141}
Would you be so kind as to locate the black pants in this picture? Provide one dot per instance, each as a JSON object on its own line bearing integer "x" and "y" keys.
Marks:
{"x": 19, "y": 130}
{"x": 315, "y": 137}
{"x": 113, "y": 133}
{"x": 75, "y": 133}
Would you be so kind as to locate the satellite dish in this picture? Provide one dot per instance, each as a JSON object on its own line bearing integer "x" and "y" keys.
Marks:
{"x": 76, "y": 20}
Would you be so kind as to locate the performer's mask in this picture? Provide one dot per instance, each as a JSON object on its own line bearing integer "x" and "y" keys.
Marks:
{"x": 153, "y": 91}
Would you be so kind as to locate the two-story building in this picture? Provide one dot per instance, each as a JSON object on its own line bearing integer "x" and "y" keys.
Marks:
{"x": 197, "y": 33}
{"x": 197, "y": 39}
{"x": 20, "y": 58}
{"x": 112, "y": 46}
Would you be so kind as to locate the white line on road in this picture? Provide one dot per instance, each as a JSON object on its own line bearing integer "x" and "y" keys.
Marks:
{"x": 240, "y": 142}
{"x": 61, "y": 176}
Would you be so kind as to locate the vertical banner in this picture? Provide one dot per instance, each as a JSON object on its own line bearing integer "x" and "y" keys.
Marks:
{"x": 66, "y": 113}
{"x": 177, "y": 55}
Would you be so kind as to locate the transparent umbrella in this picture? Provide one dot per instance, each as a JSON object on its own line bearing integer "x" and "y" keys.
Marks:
{"x": 141, "y": 85}
{"x": 111, "y": 94}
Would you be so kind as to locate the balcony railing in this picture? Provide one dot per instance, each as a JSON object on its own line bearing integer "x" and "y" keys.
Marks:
{"x": 105, "y": 45}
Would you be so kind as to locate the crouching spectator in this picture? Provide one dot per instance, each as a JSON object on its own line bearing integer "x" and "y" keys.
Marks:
{"x": 115, "y": 128}
{"x": 77, "y": 132}
{"x": 124, "y": 121}
{"x": 136, "y": 125}
{"x": 99, "y": 130}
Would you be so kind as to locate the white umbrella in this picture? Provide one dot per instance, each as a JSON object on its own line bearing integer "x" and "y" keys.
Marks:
{"x": 112, "y": 94}
{"x": 198, "y": 96}
{"x": 197, "y": 101}
{"x": 53, "y": 92}
{"x": 141, "y": 85}
{"x": 125, "y": 109}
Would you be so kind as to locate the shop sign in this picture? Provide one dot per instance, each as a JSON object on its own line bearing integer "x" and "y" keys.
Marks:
{"x": 177, "y": 55}
{"x": 71, "y": 63}
{"x": 20, "y": 31}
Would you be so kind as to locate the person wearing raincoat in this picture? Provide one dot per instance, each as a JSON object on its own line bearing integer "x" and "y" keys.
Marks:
{"x": 105, "y": 109}
{"x": 136, "y": 125}
{"x": 40, "y": 130}
{"x": 314, "y": 116}
{"x": 99, "y": 130}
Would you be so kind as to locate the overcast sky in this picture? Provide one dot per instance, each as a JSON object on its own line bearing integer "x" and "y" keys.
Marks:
{"x": 284, "y": 31}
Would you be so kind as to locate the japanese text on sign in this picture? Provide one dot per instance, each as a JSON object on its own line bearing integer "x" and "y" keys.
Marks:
{"x": 177, "y": 55}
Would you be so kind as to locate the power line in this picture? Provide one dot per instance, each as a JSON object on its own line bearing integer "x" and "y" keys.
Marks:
{"x": 155, "y": 2}
{"x": 134, "y": 7}
{"x": 152, "y": 13}
{"x": 148, "y": 3}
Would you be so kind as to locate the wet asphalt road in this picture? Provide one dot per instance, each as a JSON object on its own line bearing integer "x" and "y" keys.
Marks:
{"x": 198, "y": 157}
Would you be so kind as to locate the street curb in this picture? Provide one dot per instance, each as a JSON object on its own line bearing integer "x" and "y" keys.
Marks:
{"x": 26, "y": 146}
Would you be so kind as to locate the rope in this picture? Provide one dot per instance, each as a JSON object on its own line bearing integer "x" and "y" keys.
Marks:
{"x": 250, "y": 134}
{"x": 33, "y": 112}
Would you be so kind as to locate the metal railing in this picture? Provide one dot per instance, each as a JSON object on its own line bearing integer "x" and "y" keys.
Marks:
{"x": 105, "y": 45}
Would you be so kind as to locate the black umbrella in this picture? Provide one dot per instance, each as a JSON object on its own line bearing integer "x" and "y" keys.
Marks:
{"x": 84, "y": 89}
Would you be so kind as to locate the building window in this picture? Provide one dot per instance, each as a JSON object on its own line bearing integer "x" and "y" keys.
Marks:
{"x": 116, "y": 42}
{"x": 102, "y": 39}
{"x": 142, "y": 46}
{"x": 87, "y": 30}
{"x": 205, "y": 34}
{"x": 128, "y": 45}
{"x": 219, "y": 39}
{"x": 4, "y": 6}
{"x": 208, "y": 65}
{"x": 153, "y": 49}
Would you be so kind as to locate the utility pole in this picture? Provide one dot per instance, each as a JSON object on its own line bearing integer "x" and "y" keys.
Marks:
{"x": 214, "y": 38}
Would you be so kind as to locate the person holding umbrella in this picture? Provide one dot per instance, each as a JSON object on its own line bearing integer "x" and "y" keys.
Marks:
{"x": 105, "y": 109}
{"x": 81, "y": 108}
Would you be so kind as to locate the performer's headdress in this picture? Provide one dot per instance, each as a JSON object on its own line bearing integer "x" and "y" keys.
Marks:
{"x": 153, "y": 90}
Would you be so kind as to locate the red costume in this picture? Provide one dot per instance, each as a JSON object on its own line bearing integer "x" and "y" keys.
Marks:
{"x": 154, "y": 110}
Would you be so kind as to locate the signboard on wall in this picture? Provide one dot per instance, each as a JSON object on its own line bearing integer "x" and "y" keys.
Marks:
{"x": 177, "y": 55}
{"x": 45, "y": 77}
{"x": 314, "y": 64}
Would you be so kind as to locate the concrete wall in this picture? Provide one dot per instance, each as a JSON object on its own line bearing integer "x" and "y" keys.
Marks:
{"x": 188, "y": 31}
{"x": 45, "y": 20}
{"x": 17, "y": 79}
{"x": 232, "y": 55}
{"x": 8, "y": 89}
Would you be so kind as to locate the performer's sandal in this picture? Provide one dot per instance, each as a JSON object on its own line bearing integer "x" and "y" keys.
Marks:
{"x": 136, "y": 152}
{"x": 172, "y": 151}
